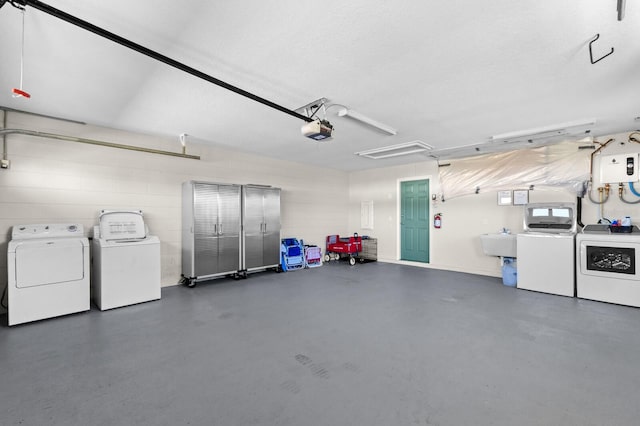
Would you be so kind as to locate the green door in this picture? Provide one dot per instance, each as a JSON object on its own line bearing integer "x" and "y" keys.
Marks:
{"x": 414, "y": 220}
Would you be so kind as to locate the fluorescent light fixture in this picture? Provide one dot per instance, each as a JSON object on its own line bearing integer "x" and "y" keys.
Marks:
{"x": 544, "y": 132}
{"x": 344, "y": 112}
{"x": 407, "y": 148}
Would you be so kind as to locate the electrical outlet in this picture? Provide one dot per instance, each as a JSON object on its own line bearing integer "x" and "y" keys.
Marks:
{"x": 4, "y": 164}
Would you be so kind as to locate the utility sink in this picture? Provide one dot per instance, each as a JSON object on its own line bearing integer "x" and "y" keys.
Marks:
{"x": 503, "y": 245}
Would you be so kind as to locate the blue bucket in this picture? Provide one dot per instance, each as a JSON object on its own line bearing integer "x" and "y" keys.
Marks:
{"x": 509, "y": 272}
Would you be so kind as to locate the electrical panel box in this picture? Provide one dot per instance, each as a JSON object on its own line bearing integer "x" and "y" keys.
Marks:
{"x": 619, "y": 168}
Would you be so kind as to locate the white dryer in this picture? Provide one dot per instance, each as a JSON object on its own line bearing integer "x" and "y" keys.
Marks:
{"x": 126, "y": 261}
{"x": 48, "y": 272}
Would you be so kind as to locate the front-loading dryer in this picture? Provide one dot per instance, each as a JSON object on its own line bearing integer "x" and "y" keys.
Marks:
{"x": 48, "y": 272}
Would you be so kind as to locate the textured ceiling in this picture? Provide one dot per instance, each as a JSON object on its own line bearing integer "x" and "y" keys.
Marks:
{"x": 450, "y": 74}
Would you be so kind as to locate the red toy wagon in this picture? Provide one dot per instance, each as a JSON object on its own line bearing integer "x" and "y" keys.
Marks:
{"x": 343, "y": 247}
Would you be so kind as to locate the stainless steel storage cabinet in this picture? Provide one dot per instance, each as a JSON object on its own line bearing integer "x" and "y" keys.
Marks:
{"x": 211, "y": 231}
{"x": 261, "y": 227}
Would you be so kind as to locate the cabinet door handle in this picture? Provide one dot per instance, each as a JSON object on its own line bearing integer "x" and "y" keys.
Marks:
{"x": 220, "y": 229}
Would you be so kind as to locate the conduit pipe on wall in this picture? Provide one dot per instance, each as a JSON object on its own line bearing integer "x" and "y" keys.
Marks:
{"x": 5, "y": 160}
{"x": 35, "y": 114}
{"x": 579, "y": 212}
{"x": 600, "y": 148}
{"x": 5, "y": 132}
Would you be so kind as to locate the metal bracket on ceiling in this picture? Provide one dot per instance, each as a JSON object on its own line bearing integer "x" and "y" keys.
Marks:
{"x": 591, "y": 50}
{"x": 17, "y": 4}
{"x": 312, "y": 108}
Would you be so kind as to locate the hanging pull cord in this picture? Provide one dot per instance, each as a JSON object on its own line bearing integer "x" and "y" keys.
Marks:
{"x": 20, "y": 93}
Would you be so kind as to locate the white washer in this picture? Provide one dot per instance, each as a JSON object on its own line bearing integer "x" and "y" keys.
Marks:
{"x": 546, "y": 250}
{"x": 608, "y": 265}
{"x": 48, "y": 272}
{"x": 126, "y": 261}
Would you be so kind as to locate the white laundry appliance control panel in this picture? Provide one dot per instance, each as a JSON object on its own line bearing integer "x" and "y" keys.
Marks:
{"x": 24, "y": 232}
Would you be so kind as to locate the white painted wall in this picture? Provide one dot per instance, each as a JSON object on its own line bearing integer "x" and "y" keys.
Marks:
{"x": 381, "y": 186}
{"x": 53, "y": 181}
{"x": 456, "y": 246}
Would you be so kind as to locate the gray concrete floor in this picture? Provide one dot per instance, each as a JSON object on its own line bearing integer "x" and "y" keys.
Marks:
{"x": 376, "y": 344}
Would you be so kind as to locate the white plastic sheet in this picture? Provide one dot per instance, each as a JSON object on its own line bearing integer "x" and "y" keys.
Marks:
{"x": 563, "y": 165}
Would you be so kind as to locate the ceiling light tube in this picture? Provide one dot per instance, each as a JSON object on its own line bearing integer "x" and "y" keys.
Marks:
{"x": 560, "y": 128}
{"x": 344, "y": 112}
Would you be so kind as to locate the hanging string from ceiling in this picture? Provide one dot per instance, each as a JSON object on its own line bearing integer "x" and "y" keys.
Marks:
{"x": 21, "y": 93}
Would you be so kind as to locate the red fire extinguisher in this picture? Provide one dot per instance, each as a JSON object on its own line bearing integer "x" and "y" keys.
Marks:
{"x": 437, "y": 220}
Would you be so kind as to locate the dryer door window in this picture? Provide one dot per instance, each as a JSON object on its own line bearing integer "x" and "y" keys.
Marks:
{"x": 619, "y": 260}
